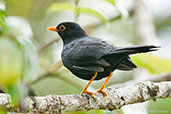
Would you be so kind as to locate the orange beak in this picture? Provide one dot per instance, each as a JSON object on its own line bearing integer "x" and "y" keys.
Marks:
{"x": 53, "y": 29}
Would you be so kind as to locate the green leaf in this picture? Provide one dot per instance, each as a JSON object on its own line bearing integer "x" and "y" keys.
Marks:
{"x": 154, "y": 64}
{"x": 56, "y": 7}
{"x": 14, "y": 91}
{"x": 111, "y": 2}
{"x": 10, "y": 62}
{"x": 2, "y": 110}
{"x": 2, "y": 17}
{"x": 91, "y": 11}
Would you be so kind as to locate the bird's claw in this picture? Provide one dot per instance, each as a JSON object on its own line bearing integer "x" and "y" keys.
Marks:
{"x": 103, "y": 92}
{"x": 90, "y": 93}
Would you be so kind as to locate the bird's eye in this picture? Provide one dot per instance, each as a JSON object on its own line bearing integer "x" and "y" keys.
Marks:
{"x": 62, "y": 28}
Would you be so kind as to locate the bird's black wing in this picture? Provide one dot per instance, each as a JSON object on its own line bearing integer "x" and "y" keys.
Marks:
{"x": 134, "y": 49}
{"x": 124, "y": 52}
{"x": 126, "y": 64}
{"x": 87, "y": 55}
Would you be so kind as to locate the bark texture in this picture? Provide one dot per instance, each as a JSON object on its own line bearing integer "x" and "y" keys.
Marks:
{"x": 55, "y": 104}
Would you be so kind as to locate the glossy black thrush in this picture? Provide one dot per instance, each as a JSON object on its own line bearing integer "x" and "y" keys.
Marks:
{"x": 92, "y": 58}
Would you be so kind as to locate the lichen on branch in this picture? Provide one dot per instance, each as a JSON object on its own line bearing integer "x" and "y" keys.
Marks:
{"x": 119, "y": 97}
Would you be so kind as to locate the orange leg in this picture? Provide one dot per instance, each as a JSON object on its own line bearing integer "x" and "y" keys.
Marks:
{"x": 85, "y": 89}
{"x": 101, "y": 90}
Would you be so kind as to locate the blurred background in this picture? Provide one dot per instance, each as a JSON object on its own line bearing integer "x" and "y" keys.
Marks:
{"x": 30, "y": 55}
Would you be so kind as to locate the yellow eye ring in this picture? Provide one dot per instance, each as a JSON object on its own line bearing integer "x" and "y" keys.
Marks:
{"x": 62, "y": 28}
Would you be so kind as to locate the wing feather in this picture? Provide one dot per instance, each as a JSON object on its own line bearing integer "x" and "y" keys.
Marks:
{"x": 89, "y": 56}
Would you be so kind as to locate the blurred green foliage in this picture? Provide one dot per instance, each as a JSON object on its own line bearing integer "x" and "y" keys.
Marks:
{"x": 31, "y": 65}
{"x": 2, "y": 111}
{"x": 10, "y": 62}
{"x": 22, "y": 39}
{"x": 56, "y": 7}
{"x": 2, "y": 17}
{"x": 91, "y": 11}
{"x": 160, "y": 107}
{"x": 111, "y": 1}
{"x": 154, "y": 64}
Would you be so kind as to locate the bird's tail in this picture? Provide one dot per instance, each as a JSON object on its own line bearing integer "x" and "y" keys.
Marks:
{"x": 136, "y": 49}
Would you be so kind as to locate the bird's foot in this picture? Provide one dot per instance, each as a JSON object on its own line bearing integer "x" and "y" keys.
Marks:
{"x": 103, "y": 92}
{"x": 87, "y": 92}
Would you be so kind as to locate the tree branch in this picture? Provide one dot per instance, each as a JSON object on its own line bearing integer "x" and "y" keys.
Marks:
{"x": 139, "y": 92}
{"x": 48, "y": 44}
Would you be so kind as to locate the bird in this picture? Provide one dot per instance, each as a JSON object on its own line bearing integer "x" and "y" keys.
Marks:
{"x": 92, "y": 58}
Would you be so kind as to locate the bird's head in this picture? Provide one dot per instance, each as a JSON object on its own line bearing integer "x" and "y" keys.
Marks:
{"x": 69, "y": 31}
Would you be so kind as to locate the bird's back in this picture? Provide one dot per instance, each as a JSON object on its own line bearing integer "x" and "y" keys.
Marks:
{"x": 87, "y": 55}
